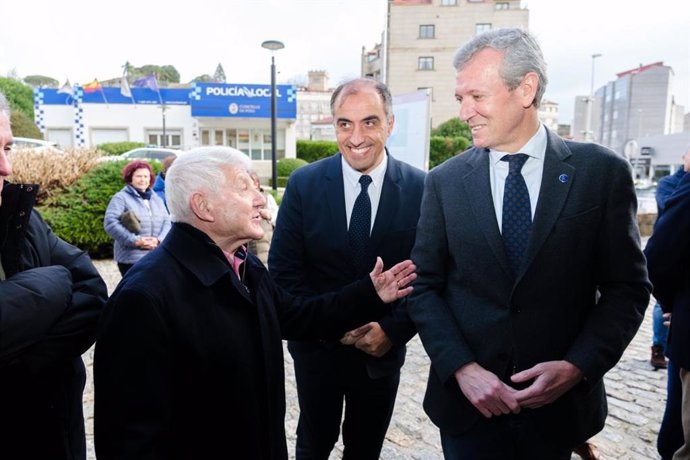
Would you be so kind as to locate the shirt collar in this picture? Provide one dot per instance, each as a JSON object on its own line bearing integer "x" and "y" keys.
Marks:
{"x": 351, "y": 176}
{"x": 534, "y": 148}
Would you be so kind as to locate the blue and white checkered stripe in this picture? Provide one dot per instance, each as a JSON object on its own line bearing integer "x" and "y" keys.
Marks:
{"x": 79, "y": 138}
{"x": 39, "y": 112}
{"x": 292, "y": 93}
{"x": 195, "y": 93}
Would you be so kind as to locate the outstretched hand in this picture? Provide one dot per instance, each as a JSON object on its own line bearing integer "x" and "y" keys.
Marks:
{"x": 392, "y": 284}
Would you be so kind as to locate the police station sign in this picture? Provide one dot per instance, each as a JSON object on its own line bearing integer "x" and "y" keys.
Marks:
{"x": 239, "y": 100}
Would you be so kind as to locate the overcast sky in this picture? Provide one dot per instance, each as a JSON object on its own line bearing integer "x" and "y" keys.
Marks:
{"x": 82, "y": 40}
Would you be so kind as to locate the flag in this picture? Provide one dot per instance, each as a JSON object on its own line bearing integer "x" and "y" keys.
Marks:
{"x": 149, "y": 82}
{"x": 125, "y": 90}
{"x": 66, "y": 89}
{"x": 94, "y": 86}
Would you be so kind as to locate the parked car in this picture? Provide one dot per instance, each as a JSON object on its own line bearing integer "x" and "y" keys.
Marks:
{"x": 143, "y": 153}
{"x": 39, "y": 145}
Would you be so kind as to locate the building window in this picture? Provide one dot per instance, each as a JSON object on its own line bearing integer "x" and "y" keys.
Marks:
{"x": 425, "y": 63}
{"x": 502, "y": 5}
{"x": 482, "y": 27}
{"x": 449, "y": 2}
{"x": 173, "y": 138}
{"x": 427, "y": 31}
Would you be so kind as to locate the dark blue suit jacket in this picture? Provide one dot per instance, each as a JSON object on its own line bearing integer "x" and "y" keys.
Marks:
{"x": 668, "y": 259}
{"x": 310, "y": 251}
{"x": 580, "y": 294}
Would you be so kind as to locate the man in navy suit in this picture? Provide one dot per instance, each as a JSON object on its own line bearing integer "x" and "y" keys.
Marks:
{"x": 520, "y": 337}
{"x": 313, "y": 251}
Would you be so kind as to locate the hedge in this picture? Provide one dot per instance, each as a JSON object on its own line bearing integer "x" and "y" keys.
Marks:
{"x": 116, "y": 148}
{"x": 311, "y": 151}
{"x": 77, "y": 214}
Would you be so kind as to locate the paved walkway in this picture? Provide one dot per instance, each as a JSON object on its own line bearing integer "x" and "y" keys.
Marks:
{"x": 636, "y": 401}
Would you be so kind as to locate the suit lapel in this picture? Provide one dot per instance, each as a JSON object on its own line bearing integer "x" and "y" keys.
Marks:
{"x": 477, "y": 186}
{"x": 556, "y": 181}
{"x": 388, "y": 203}
{"x": 335, "y": 197}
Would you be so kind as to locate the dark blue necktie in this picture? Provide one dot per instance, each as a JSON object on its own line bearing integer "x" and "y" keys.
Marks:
{"x": 517, "y": 213}
{"x": 360, "y": 226}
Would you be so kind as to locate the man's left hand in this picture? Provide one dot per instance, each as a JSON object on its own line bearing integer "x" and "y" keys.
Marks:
{"x": 551, "y": 380}
{"x": 391, "y": 284}
{"x": 371, "y": 339}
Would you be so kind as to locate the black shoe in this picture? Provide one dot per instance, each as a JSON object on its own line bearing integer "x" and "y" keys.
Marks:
{"x": 658, "y": 360}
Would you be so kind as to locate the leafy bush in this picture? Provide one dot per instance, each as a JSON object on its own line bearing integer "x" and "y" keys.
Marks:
{"x": 76, "y": 215}
{"x": 312, "y": 151}
{"x": 286, "y": 166}
{"x": 116, "y": 148}
{"x": 52, "y": 172}
{"x": 452, "y": 128}
{"x": 19, "y": 95}
{"x": 442, "y": 148}
{"x": 23, "y": 126}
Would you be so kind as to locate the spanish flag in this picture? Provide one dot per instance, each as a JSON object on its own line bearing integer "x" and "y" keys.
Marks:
{"x": 94, "y": 86}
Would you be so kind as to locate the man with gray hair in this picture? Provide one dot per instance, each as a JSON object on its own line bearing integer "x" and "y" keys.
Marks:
{"x": 531, "y": 277}
{"x": 189, "y": 358}
{"x": 51, "y": 297}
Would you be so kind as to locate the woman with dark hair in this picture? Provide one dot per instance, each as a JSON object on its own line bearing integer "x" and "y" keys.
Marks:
{"x": 136, "y": 218}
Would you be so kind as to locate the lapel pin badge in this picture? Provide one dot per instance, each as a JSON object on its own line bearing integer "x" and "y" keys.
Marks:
{"x": 564, "y": 178}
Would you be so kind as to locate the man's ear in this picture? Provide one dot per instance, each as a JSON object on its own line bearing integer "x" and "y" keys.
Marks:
{"x": 528, "y": 88}
{"x": 201, "y": 207}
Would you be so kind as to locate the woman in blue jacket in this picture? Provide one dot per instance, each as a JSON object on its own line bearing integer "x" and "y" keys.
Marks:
{"x": 142, "y": 229}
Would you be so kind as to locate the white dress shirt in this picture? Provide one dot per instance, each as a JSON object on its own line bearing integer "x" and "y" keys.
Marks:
{"x": 532, "y": 171}
{"x": 352, "y": 187}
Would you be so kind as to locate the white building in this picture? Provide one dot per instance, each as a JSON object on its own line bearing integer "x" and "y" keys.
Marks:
{"x": 235, "y": 115}
{"x": 314, "y": 120}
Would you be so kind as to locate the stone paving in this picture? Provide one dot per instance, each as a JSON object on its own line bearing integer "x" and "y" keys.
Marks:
{"x": 637, "y": 395}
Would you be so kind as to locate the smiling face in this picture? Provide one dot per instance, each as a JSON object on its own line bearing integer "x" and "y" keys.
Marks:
{"x": 499, "y": 118}
{"x": 236, "y": 210}
{"x": 361, "y": 128}
{"x": 141, "y": 179}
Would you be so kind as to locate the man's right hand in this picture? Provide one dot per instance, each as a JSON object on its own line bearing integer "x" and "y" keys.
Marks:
{"x": 485, "y": 391}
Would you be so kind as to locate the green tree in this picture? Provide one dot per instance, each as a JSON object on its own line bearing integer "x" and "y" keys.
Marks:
{"x": 205, "y": 78}
{"x": 19, "y": 95}
{"x": 23, "y": 126}
{"x": 40, "y": 81}
{"x": 452, "y": 128}
{"x": 219, "y": 75}
{"x": 164, "y": 74}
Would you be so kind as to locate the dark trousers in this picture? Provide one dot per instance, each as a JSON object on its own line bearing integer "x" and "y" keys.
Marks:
{"x": 506, "y": 437}
{"x": 327, "y": 378}
{"x": 671, "y": 432}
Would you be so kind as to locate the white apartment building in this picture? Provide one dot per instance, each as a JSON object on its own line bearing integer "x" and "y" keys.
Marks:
{"x": 314, "y": 121}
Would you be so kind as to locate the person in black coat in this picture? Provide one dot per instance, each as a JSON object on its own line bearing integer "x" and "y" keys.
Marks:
{"x": 668, "y": 259}
{"x": 50, "y": 299}
{"x": 189, "y": 359}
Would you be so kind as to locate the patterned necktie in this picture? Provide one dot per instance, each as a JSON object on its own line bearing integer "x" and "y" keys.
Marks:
{"x": 517, "y": 213}
{"x": 360, "y": 226}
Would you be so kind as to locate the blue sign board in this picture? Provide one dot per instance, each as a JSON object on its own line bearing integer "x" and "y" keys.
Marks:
{"x": 206, "y": 99}
{"x": 242, "y": 101}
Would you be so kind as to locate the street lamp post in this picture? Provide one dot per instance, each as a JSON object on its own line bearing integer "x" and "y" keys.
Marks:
{"x": 590, "y": 102}
{"x": 273, "y": 45}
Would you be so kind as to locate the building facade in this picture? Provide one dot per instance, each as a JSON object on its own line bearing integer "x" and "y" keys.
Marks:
{"x": 235, "y": 115}
{"x": 421, "y": 39}
{"x": 314, "y": 121}
{"x": 637, "y": 105}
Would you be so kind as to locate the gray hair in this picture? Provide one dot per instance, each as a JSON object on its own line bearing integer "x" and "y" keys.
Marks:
{"x": 521, "y": 55}
{"x": 199, "y": 169}
{"x": 4, "y": 105}
{"x": 354, "y": 86}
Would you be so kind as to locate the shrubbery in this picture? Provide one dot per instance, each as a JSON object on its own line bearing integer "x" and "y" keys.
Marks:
{"x": 76, "y": 215}
{"x": 116, "y": 148}
{"x": 312, "y": 151}
{"x": 50, "y": 171}
{"x": 286, "y": 166}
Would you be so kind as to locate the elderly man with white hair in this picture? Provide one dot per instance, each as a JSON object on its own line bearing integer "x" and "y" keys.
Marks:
{"x": 189, "y": 359}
